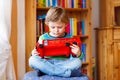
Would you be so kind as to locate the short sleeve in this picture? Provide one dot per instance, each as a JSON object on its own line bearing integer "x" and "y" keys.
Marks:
{"x": 40, "y": 39}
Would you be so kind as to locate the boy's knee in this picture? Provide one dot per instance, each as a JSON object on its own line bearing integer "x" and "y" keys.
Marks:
{"x": 78, "y": 62}
{"x": 32, "y": 60}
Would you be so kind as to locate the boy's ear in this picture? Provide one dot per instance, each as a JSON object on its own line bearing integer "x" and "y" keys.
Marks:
{"x": 65, "y": 24}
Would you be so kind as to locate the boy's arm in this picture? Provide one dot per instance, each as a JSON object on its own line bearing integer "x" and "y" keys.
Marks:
{"x": 34, "y": 52}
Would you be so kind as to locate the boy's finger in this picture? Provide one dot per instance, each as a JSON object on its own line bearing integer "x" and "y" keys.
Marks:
{"x": 72, "y": 46}
{"x": 75, "y": 45}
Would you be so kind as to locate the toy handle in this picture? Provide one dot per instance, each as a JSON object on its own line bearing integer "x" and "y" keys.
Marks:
{"x": 40, "y": 49}
{"x": 68, "y": 49}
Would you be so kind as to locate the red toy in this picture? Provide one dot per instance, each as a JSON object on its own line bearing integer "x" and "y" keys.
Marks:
{"x": 57, "y": 47}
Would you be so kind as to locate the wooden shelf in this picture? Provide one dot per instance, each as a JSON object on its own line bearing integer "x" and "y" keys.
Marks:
{"x": 67, "y": 9}
{"x": 85, "y": 36}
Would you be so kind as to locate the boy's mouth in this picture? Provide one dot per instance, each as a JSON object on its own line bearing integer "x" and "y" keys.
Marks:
{"x": 56, "y": 33}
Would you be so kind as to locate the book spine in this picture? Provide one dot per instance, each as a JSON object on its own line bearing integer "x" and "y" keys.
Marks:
{"x": 83, "y": 3}
{"x": 63, "y": 3}
{"x": 46, "y": 3}
{"x": 54, "y": 3}
{"x": 70, "y": 26}
{"x": 72, "y": 1}
{"x": 75, "y": 26}
{"x": 79, "y": 29}
{"x": 83, "y": 27}
{"x": 83, "y": 50}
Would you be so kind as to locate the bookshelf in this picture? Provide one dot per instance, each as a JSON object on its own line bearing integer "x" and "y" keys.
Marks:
{"x": 32, "y": 11}
{"x": 108, "y": 41}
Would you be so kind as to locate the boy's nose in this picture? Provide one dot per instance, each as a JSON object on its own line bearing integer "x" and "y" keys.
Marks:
{"x": 56, "y": 30}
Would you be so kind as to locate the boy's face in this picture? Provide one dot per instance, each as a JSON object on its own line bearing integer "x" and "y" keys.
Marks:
{"x": 57, "y": 29}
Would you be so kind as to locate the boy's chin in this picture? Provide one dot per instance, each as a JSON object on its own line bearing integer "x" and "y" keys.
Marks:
{"x": 57, "y": 36}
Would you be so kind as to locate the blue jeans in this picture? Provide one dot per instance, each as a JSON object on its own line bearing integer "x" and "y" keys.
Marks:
{"x": 61, "y": 68}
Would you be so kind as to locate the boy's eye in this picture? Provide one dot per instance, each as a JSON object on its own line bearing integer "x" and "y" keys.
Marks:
{"x": 60, "y": 27}
{"x": 52, "y": 27}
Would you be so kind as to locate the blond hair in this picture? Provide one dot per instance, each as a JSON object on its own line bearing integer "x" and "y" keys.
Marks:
{"x": 55, "y": 14}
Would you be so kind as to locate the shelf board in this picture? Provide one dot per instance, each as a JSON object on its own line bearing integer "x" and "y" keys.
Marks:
{"x": 117, "y": 4}
{"x": 116, "y": 40}
{"x": 85, "y": 63}
{"x": 67, "y": 9}
{"x": 84, "y": 36}
{"x": 117, "y": 26}
{"x": 81, "y": 36}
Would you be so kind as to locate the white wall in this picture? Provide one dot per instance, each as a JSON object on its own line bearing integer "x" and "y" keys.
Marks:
{"x": 21, "y": 38}
{"x": 95, "y": 24}
{"x": 95, "y": 21}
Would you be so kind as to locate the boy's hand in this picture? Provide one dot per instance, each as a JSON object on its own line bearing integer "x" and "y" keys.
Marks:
{"x": 76, "y": 50}
{"x": 35, "y": 53}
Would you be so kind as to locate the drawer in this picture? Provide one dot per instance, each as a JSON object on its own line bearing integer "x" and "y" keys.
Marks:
{"x": 116, "y": 34}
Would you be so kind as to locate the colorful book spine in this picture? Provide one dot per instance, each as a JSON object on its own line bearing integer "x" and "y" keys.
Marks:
{"x": 75, "y": 3}
{"x": 51, "y": 3}
{"x": 83, "y": 27}
{"x": 79, "y": 28}
{"x": 69, "y": 3}
{"x": 47, "y": 3}
{"x": 70, "y": 19}
{"x": 59, "y": 2}
{"x": 72, "y": 1}
{"x": 79, "y": 3}
{"x": 74, "y": 26}
{"x": 54, "y": 3}
{"x": 62, "y": 3}
{"x": 41, "y": 3}
{"x": 83, "y": 50}
{"x": 42, "y": 25}
{"x": 83, "y": 3}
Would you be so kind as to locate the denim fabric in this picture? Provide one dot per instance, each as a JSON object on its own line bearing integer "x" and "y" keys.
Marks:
{"x": 54, "y": 67}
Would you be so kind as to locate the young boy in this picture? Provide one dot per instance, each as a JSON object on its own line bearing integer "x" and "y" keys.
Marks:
{"x": 57, "y": 20}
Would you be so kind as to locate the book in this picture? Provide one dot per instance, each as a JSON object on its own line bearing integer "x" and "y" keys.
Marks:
{"x": 83, "y": 27}
{"x": 41, "y": 3}
{"x": 42, "y": 27}
{"x": 54, "y": 3}
{"x": 83, "y": 54}
{"x": 83, "y": 3}
{"x": 74, "y": 26}
{"x": 71, "y": 30}
{"x": 79, "y": 28}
